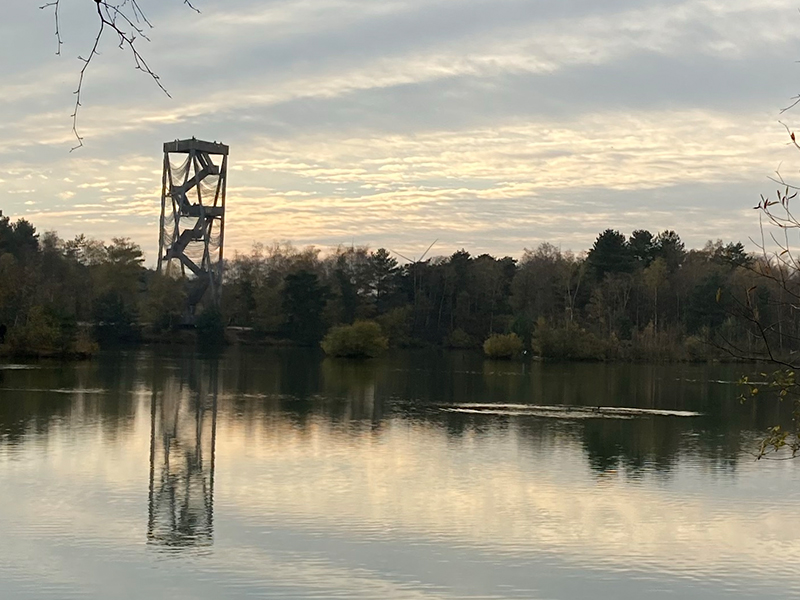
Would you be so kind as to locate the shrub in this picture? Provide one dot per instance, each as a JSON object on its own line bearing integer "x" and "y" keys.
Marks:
{"x": 115, "y": 318}
{"x": 657, "y": 346}
{"x": 85, "y": 346}
{"x": 396, "y": 326}
{"x": 164, "y": 304}
{"x": 37, "y": 336}
{"x": 502, "y": 345}
{"x": 699, "y": 347}
{"x": 45, "y": 333}
{"x": 362, "y": 339}
{"x": 459, "y": 339}
{"x": 210, "y": 326}
{"x": 523, "y": 326}
{"x": 573, "y": 343}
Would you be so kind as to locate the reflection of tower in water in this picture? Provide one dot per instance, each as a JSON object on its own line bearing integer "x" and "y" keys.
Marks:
{"x": 182, "y": 443}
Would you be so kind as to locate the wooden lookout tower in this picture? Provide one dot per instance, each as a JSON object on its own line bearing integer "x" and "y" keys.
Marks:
{"x": 193, "y": 217}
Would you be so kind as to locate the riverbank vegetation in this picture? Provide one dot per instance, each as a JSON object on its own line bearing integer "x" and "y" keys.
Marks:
{"x": 638, "y": 297}
{"x": 362, "y": 339}
{"x": 502, "y": 345}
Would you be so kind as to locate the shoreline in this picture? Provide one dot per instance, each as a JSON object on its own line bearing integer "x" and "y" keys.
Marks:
{"x": 191, "y": 342}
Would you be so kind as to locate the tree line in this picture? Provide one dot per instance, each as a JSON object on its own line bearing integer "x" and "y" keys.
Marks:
{"x": 643, "y": 297}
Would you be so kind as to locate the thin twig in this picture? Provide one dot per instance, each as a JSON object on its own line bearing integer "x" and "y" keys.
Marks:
{"x": 55, "y": 5}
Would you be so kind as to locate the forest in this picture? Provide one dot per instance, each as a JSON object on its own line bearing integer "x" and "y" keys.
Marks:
{"x": 638, "y": 297}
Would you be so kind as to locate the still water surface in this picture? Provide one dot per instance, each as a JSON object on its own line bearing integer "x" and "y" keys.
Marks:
{"x": 280, "y": 474}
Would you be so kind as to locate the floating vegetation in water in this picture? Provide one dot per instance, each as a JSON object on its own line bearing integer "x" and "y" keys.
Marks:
{"x": 722, "y": 381}
{"x": 57, "y": 390}
{"x": 562, "y": 411}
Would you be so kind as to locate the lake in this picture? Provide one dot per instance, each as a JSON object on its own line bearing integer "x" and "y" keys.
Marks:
{"x": 422, "y": 475}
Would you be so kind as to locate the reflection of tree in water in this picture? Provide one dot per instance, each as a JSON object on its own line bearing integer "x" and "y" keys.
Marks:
{"x": 355, "y": 381}
{"x": 646, "y": 444}
{"x": 182, "y": 444}
{"x": 636, "y": 445}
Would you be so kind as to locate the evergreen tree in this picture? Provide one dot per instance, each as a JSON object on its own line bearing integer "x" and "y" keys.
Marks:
{"x": 304, "y": 299}
{"x": 670, "y": 248}
{"x": 384, "y": 274}
{"x": 643, "y": 247}
{"x": 610, "y": 254}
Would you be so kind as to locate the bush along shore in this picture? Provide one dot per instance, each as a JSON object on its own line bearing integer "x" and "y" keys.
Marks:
{"x": 641, "y": 297}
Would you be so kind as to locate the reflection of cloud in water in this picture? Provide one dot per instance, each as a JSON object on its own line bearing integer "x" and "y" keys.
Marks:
{"x": 489, "y": 490}
{"x": 544, "y": 414}
{"x": 305, "y": 475}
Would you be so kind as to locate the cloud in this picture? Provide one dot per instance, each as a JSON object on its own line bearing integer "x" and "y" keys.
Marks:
{"x": 498, "y": 123}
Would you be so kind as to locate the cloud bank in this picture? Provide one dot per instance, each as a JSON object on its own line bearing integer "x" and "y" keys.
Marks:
{"x": 493, "y": 125}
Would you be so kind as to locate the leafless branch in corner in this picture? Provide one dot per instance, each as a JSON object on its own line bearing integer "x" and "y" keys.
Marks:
{"x": 126, "y": 20}
{"x": 55, "y": 5}
{"x": 769, "y": 307}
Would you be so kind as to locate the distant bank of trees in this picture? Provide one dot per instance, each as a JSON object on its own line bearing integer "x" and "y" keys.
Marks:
{"x": 643, "y": 297}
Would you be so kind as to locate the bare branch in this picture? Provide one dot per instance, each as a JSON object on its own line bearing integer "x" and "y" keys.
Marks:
{"x": 55, "y": 5}
{"x": 127, "y": 20}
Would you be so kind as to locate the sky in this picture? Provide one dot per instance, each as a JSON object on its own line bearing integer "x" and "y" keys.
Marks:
{"x": 492, "y": 125}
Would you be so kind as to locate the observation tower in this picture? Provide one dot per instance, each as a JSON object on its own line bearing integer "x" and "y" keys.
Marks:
{"x": 193, "y": 217}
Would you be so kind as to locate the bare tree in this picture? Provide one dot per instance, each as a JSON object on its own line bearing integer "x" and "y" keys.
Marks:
{"x": 124, "y": 19}
{"x": 770, "y": 308}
